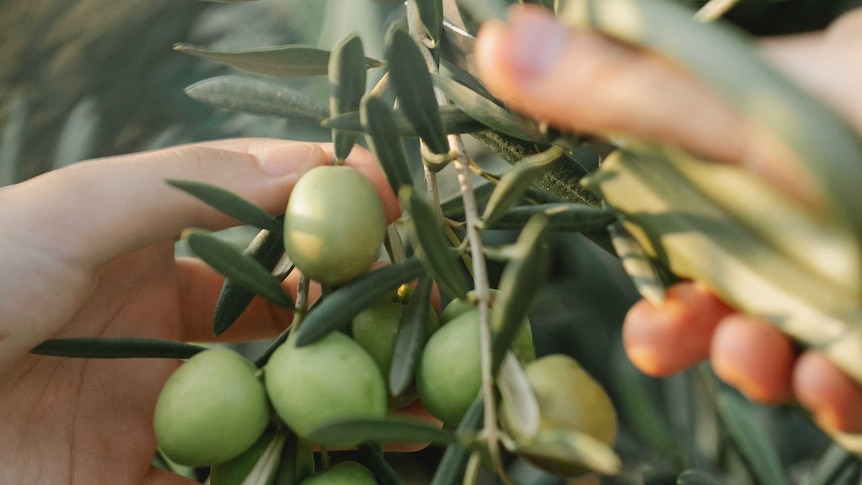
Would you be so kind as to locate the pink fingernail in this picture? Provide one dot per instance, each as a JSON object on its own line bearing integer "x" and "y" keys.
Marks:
{"x": 536, "y": 42}
{"x": 289, "y": 159}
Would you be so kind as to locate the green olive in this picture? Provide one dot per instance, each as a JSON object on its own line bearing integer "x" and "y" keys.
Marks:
{"x": 376, "y": 329}
{"x": 449, "y": 374}
{"x": 569, "y": 399}
{"x": 334, "y": 224}
{"x": 211, "y": 409}
{"x": 344, "y": 473}
{"x": 331, "y": 380}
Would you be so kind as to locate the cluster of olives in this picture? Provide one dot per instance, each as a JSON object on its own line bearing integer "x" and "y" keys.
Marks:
{"x": 217, "y": 408}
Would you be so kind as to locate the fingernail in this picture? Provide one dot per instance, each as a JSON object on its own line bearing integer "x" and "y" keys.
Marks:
{"x": 536, "y": 42}
{"x": 288, "y": 159}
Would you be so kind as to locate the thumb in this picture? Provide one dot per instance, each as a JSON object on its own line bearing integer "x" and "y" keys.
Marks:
{"x": 105, "y": 208}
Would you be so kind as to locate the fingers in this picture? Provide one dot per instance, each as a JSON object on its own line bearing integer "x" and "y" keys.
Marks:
{"x": 113, "y": 206}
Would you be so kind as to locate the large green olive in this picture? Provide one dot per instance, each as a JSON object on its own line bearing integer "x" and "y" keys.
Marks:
{"x": 344, "y": 473}
{"x": 211, "y": 409}
{"x": 449, "y": 375}
{"x": 376, "y": 329}
{"x": 334, "y": 224}
{"x": 522, "y": 346}
{"x": 569, "y": 399}
{"x": 331, "y": 380}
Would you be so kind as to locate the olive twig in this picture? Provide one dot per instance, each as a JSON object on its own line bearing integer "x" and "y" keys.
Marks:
{"x": 714, "y": 9}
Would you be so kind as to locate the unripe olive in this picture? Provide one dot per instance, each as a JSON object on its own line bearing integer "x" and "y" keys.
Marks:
{"x": 344, "y": 473}
{"x": 211, "y": 409}
{"x": 522, "y": 346}
{"x": 569, "y": 399}
{"x": 334, "y": 224}
{"x": 376, "y": 329}
{"x": 449, "y": 374}
{"x": 328, "y": 381}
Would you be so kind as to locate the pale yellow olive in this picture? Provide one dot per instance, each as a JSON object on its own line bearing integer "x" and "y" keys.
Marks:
{"x": 334, "y": 224}
{"x": 449, "y": 374}
{"x": 211, "y": 409}
{"x": 331, "y": 380}
{"x": 569, "y": 399}
{"x": 344, "y": 473}
{"x": 376, "y": 329}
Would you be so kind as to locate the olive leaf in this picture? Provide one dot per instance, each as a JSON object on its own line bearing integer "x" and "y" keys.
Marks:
{"x": 280, "y": 61}
{"x": 454, "y": 121}
{"x": 387, "y": 430}
{"x": 338, "y": 308}
{"x": 517, "y": 393}
{"x": 372, "y": 455}
{"x": 637, "y": 264}
{"x": 698, "y": 477}
{"x": 267, "y": 248}
{"x": 256, "y": 96}
{"x": 347, "y": 78}
{"x": 384, "y": 141}
{"x": 515, "y": 182}
{"x": 229, "y": 203}
{"x": 431, "y": 15}
{"x": 561, "y": 217}
{"x": 520, "y": 282}
{"x": 572, "y": 448}
{"x": 411, "y": 338}
{"x": 116, "y": 348}
{"x": 267, "y": 450}
{"x": 483, "y": 109}
{"x": 411, "y": 82}
{"x": 241, "y": 268}
{"x": 454, "y": 461}
{"x": 432, "y": 248}
{"x": 296, "y": 463}
{"x": 752, "y": 439}
{"x": 833, "y": 465}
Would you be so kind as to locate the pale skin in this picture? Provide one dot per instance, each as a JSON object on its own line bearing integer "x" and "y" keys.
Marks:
{"x": 589, "y": 83}
{"x": 89, "y": 251}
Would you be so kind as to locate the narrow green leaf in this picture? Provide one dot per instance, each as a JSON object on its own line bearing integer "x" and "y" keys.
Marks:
{"x": 229, "y": 203}
{"x": 637, "y": 264}
{"x": 411, "y": 82}
{"x": 484, "y": 10}
{"x": 256, "y": 96}
{"x": 751, "y": 438}
{"x": 515, "y": 182}
{"x": 117, "y": 348}
{"x": 454, "y": 121}
{"x": 483, "y": 109}
{"x": 454, "y": 461}
{"x": 281, "y": 61}
{"x": 432, "y": 248}
{"x": 387, "y": 430}
{"x": 520, "y": 282}
{"x": 411, "y": 338}
{"x": 834, "y": 463}
{"x": 517, "y": 392}
{"x": 561, "y": 217}
{"x": 698, "y": 477}
{"x": 347, "y": 78}
{"x": 241, "y": 268}
{"x": 339, "y": 308}
{"x": 266, "y": 248}
{"x": 573, "y": 448}
{"x": 12, "y": 141}
{"x": 256, "y": 466}
{"x": 431, "y": 15}
{"x": 384, "y": 141}
{"x": 372, "y": 455}
{"x": 296, "y": 463}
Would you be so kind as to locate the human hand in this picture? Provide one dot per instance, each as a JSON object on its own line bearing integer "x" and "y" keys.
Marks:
{"x": 588, "y": 83}
{"x": 89, "y": 252}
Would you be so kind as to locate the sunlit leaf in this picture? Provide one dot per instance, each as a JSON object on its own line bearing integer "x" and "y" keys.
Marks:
{"x": 117, "y": 348}
{"x": 256, "y": 96}
{"x": 520, "y": 282}
{"x": 347, "y": 78}
{"x": 229, "y": 203}
{"x": 432, "y": 248}
{"x": 388, "y": 430}
{"x": 411, "y": 338}
{"x": 241, "y": 268}
{"x": 408, "y": 74}
{"x": 482, "y": 109}
{"x": 267, "y": 248}
{"x": 638, "y": 265}
{"x": 384, "y": 141}
{"x": 281, "y": 61}
{"x": 515, "y": 182}
{"x": 339, "y": 308}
